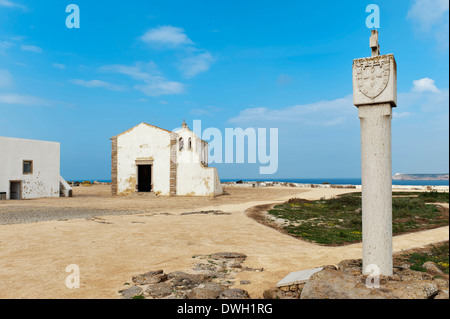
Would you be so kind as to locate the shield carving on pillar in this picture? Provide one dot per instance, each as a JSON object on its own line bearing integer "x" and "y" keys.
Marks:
{"x": 372, "y": 75}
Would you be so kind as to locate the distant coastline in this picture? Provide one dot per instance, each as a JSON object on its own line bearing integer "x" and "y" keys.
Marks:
{"x": 332, "y": 181}
{"x": 420, "y": 177}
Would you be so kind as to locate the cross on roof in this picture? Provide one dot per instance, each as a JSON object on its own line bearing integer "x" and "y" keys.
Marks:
{"x": 374, "y": 43}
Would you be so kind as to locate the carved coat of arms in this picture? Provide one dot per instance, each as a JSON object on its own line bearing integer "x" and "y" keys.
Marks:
{"x": 372, "y": 75}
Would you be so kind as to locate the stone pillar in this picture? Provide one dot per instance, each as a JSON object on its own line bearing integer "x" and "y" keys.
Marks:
{"x": 376, "y": 186}
{"x": 375, "y": 93}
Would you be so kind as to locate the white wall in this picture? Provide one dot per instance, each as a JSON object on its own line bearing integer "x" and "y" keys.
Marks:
{"x": 44, "y": 181}
{"x": 193, "y": 177}
{"x": 143, "y": 142}
{"x": 147, "y": 142}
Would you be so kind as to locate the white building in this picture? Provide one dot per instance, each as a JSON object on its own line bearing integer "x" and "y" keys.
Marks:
{"x": 30, "y": 169}
{"x": 147, "y": 158}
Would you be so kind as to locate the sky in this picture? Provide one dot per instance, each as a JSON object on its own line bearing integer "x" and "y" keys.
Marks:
{"x": 230, "y": 64}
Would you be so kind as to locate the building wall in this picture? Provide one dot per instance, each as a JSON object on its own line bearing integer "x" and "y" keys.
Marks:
{"x": 45, "y": 179}
{"x": 175, "y": 171}
{"x": 194, "y": 178}
{"x": 143, "y": 142}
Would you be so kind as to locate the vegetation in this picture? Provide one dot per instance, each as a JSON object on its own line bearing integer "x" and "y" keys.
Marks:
{"x": 437, "y": 254}
{"x": 338, "y": 221}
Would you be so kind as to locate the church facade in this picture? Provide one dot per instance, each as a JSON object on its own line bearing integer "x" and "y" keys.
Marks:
{"x": 149, "y": 159}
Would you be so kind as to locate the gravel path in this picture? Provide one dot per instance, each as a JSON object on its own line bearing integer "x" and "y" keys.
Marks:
{"x": 24, "y": 215}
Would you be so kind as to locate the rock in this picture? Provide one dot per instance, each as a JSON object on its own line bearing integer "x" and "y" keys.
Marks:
{"x": 181, "y": 280}
{"x": 443, "y": 294}
{"x": 151, "y": 277}
{"x": 332, "y": 284}
{"x": 433, "y": 269}
{"x": 159, "y": 290}
{"x": 395, "y": 277}
{"x": 253, "y": 269}
{"x": 409, "y": 275}
{"x": 210, "y": 291}
{"x": 175, "y": 274}
{"x": 284, "y": 288}
{"x": 329, "y": 267}
{"x": 276, "y": 293}
{"x": 405, "y": 266}
{"x": 226, "y": 255}
{"x": 350, "y": 265}
{"x": 272, "y": 293}
{"x": 234, "y": 294}
{"x": 415, "y": 290}
{"x": 131, "y": 292}
{"x": 245, "y": 282}
{"x": 431, "y": 289}
{"x": 442, "y": 283}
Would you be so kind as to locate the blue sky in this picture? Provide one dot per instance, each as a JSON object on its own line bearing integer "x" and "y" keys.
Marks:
{"x": 261, "y": 64}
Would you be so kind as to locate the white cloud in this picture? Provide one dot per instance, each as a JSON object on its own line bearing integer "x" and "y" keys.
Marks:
{"x": 98, "y": 84}
{"x": 19, "y": 99}
{"x": 425, "y": 85}
{"x": 11, "y": 4}
{"x": 158, "y": 88}
{"x": 398, "y": 115}
{"x": 5, "y": 79}
{"x": 428, "y": 13}
{"x": 167, "y": 36}
{"x": 153, "y": 83}
{"x": 31, "y": 48}
{"x": 140, "y": 71}
{"x": 193, "y": 65}
{"x": 431, "y": 16}
{"x": 322, "y": 113}
{"x": 5, "y": 44}
{"x": 59, "y": 66}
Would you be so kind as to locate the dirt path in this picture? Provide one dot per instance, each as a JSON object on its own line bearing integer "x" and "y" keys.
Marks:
{"x": 109, "y": 250}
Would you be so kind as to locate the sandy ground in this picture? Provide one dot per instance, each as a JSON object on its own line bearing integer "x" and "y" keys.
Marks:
{"x": 109, "y": 250}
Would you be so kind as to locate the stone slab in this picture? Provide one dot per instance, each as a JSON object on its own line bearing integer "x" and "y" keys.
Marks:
{"x": 298, "y": 277}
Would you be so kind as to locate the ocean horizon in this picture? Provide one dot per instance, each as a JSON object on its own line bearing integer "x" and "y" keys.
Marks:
{"x": 333, "y": 181}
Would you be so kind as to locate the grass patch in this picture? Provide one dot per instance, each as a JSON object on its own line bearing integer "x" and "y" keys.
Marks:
{"x": 438, "y": 254}
{"x": 338, "y": 221}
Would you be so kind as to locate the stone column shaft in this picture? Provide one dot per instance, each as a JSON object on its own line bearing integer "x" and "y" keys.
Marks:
{"x": 376, "y": 186}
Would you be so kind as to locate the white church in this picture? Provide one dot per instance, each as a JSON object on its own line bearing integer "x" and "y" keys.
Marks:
{"x": 149, "y": 159}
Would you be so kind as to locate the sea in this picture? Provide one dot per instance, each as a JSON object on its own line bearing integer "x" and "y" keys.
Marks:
{"x": 334, "y": 181}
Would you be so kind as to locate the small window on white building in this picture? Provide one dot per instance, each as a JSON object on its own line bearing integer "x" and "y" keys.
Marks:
{"x": 27, "y": 167}
{"x": 190, "y": 144}
{"x": 181, "y": 144}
